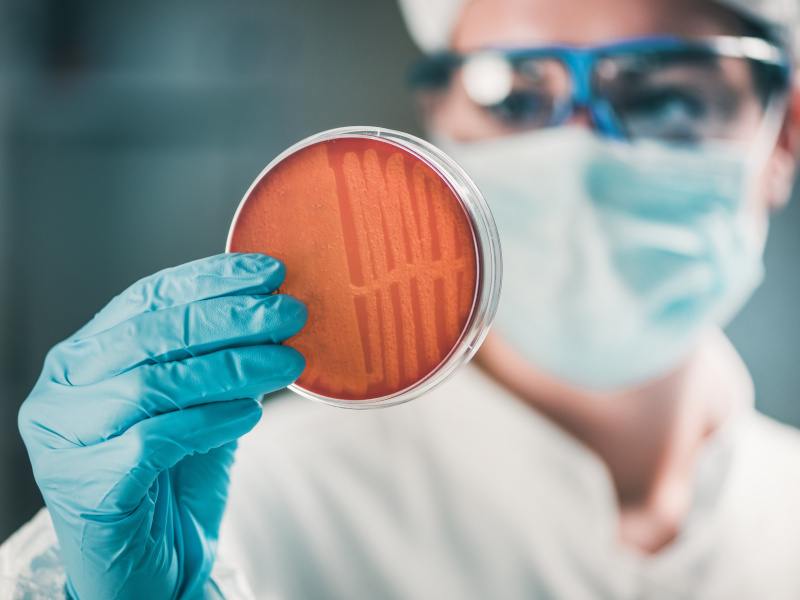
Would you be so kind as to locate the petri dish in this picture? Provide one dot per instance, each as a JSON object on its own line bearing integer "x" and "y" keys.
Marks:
{"x": 392, "y": 248}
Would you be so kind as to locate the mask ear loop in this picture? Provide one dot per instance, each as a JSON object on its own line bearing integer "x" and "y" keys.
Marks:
{"x": 769, "y": 131}
{"x": 757, "y": 155}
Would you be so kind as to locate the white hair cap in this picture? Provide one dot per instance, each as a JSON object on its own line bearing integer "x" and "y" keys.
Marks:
{"x": 431, "y": 22}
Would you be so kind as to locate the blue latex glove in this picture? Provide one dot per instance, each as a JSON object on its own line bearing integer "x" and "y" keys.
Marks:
{"x": 132, "y": 426}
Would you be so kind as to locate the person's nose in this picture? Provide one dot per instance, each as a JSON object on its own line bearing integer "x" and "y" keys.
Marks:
{"x": 581, "y": 116}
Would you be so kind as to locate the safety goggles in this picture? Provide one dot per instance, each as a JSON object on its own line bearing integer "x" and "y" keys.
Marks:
{"x": 677, "y": 89}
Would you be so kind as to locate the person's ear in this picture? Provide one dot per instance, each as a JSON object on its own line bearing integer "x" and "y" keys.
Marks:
{"x": 782, "y": 167}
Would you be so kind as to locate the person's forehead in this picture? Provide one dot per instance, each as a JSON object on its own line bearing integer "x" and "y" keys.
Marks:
{"x": 519, "y": 22}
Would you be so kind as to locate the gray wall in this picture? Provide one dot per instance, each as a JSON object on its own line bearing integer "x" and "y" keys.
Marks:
{"x": 129, "y": 131}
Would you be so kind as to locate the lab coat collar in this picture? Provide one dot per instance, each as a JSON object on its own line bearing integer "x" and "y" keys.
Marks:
{"x": 716, "y": 369}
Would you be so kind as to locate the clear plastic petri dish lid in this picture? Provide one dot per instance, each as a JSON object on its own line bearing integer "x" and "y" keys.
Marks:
{"x": 392, "y": 248}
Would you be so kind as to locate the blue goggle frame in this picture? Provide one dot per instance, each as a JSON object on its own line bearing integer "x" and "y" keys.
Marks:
{"x": 580, "y": 61}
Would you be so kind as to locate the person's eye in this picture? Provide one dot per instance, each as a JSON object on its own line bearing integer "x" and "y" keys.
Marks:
{"x": 664, "y": 105}
{"x": 523, "y": 108}
{"x": 667, "y": 113}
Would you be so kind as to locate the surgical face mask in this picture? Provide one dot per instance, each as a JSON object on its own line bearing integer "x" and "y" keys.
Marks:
{"x": 617, "y": 256}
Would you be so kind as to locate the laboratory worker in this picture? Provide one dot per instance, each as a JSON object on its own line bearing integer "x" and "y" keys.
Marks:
{"x": 603, "y": 444}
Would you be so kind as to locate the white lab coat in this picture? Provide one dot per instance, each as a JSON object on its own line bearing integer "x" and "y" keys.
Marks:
{"x": 468, "y": 494}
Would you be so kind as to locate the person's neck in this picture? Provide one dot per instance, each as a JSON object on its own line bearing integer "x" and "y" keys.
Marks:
{"x": 647, "y": 437}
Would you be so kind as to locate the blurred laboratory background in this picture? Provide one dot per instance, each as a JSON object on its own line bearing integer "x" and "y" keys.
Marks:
{"x": 129, "y": 132}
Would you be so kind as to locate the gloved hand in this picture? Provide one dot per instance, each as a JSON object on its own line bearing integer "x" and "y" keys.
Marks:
{"x": 132, "y": 426}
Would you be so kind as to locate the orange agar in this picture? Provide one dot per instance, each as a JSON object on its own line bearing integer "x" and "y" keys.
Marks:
{"x": 382, "y": 252}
